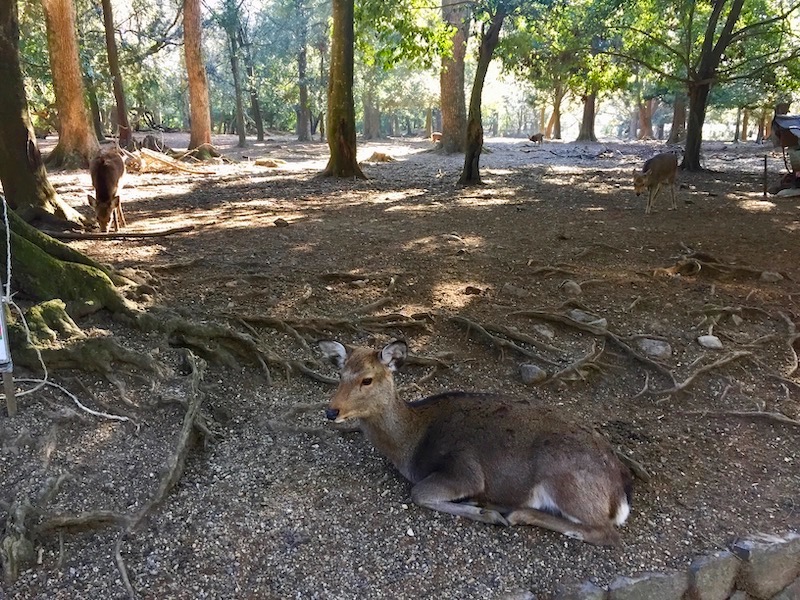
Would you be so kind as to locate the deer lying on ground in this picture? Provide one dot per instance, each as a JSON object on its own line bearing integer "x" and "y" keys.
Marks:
{"x": 537, "y": 138}
{"x": 481, "y": 456}
{"x": 660, "y": 169}
{"x": 107, "y": 170}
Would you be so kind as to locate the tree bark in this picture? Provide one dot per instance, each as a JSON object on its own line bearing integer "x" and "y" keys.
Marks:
{"x": 22, "y": 173}
{"x": 489, "y": 38}
{"x": 678, "y": 132}
{"x": 553, "y": 130}
{"x": 745, "y": 124}
{"x": 116, "y": 76}
{"x": 199, "y": 110}
{"x": 76, "y": 140}
{"x": 303, "y": 110}
{"x": 451, "y": 79}
{"x": 646, "y": 110}
{"x": 255, "y": 106}
{"x": 586, "y": 133}
{"x": 700, "y": 87}
{"x": 737, "y": 130}
{"x": 341, "y": 107}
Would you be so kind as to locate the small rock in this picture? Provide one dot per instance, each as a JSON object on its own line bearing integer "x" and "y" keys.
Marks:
{"x": 513, "y": 290}
{"x": 545, "y": 331}
{"x": 655, "y": 348}
{"x": 410, "y": 532}
{"x": 471, "y": 290}
{"x": 737, "y": 320}
{"x": 771, "y": 276}
{"x": 583, "y": 591}
{"x": 653, "y": 586}
{"x": 517, "y": 595}
{"x": 570, "y": 288}
{"x": 281, "y": 222}
{"x": 589, "y": 319}
{"x": 711, "y": 342}
{"x": 531, "y": 374}
{"x": 359, "y": 283}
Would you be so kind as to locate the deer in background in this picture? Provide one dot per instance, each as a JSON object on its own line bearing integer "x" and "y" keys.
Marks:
{"x": 482, "y": 456}
{"x": 107, "y": 170}
{"x": 537, "y": 138}
{"x": 660, "y": 169}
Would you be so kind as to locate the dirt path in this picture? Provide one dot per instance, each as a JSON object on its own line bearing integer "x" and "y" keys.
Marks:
{"x": 280, "y": 505}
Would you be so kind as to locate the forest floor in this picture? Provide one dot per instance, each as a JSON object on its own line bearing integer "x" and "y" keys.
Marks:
{"x": 280, "y": 504}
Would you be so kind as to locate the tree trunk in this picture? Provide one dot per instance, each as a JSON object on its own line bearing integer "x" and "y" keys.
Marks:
{"x": 341, "y": 109}
{"x": 372, "y": 113}
{"x": 554, "y": 124}
{"x": 745, "y": 124}
{"x": 737, "y": 130}
{"x": 255, "y": 106}
{"x": 303, "y": 111}
{"x": 698, "y": 99}
{"x": 237, "y": 88}
{"x": 489, "y": 38}
{"x": 428, "y": 122}
{"x": 116, "y": 76}
{"x": 200, "y": 112}
{"x": 678, "y": 132}
{"x": 587, "y": 123}
{"x": 76, "y": 141}
{"x": 94, "y": 107}
{"x": 25, "y": 184}
{"x": 451, "y": 79}
{"x": 646, "y": 110}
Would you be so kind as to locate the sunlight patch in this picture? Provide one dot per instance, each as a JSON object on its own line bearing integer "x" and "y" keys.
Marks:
{"x": 756, "y": 205}
{"x": 453, "y": 294}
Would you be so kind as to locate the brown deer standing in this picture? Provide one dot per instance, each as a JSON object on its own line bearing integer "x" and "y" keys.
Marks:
{"x": 482, "y": 456}
{"x": 660, "y": 169}
{"x": 537, "y": 138}
{"x": 107, "y": 170}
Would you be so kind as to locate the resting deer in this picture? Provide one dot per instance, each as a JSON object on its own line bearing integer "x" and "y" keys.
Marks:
{"x": 660, "y": 169}
{"x": 482, "y": 456}
{"x": 107, "y": 171}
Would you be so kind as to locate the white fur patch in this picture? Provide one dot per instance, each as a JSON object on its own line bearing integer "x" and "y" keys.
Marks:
{"x": 540, "y": 499}
{"x": 623, "y": 511}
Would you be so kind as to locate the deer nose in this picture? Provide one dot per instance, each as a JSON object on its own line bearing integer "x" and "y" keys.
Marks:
{"x": 331, "y": 413}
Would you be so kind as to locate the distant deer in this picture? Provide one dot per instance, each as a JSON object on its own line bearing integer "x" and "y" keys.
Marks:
{"x": 537, "y": 138}
{"x": 481, "y": 456}
{"x": 660, "y": 169}
{"x": 107, "y": 170}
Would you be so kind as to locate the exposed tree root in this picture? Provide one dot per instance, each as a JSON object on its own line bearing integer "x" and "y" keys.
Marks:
{"x": 680, "y": 387}
{"x": 322, "y": 326}
{"x": 581, "y": 366}
{"x": 747, "y": 414}
{"x": 130, "y": 235}
{"x": 497, "y": 341}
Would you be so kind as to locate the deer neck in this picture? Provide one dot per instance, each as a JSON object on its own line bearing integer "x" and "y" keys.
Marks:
{"x": 396, "y": 433}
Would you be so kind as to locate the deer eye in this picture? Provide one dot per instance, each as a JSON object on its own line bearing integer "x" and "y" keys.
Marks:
{"x": 366, "y": 381}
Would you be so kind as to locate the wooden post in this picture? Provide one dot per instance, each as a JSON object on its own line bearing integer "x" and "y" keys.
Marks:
{"x": 11, "y": 399}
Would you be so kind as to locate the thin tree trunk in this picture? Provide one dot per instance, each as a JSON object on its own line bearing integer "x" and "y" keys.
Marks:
{"x": 698, "y": 99}
{"x": 745, "y": 124}
{"x": 76, "y": 140}
{"x": 94, "y": 108}
{"x": 22, "y": 173}
{"x": 737, "y": 130}
{"x": 237, "y": 86}
{"x": 199, "y": 110}
{"x": 255, "y": 106}
{"x": 116, "y": 76}
{"x": 587, "y": 123}
{"x": 341, "y": 109}
{"x": 451, "y": 79}
{"x": 304, "y": 111}
{"x": 489, "y": 38}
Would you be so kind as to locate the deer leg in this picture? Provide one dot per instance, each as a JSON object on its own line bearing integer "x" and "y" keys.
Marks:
{"x": 442, "y": 492}
{"x": 652, "y": 198}
{"x": 600, "y": 536}
{"x": 672, "y": 189}
{"x": 121, "y": 216}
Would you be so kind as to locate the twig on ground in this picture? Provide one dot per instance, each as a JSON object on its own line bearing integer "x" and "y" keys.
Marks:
{"x": 690, "y": 379}
{"x": 747, "y": 414}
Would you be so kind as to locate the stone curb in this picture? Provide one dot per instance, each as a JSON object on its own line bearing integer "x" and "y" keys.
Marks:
{"x": 759, "y": 567}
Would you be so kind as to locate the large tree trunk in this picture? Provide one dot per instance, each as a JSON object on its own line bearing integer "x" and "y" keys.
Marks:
{"x": 587, "y": 123}
{"x": 745, "y": 124}
{"x": 710, "y": 57}
{"x": 678, "y": 132}
{"x": 200, "y": 113}
{"x": 25, "y": 184}
{"x": 125, "y": 136}
{"x": 553, "y": 130}
{"x": 489, "y": 38}
{"x": 372, "y": 113}
{"x": 76, "y": 140}
{"x": 451, "y": 79}
{"x": 341, "y": 107}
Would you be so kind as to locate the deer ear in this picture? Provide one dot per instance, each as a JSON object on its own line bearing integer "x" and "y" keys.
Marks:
{"x": 334, "y": 352}
{"x": 394, "y": 354}
{"x": 92, "y": 201}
